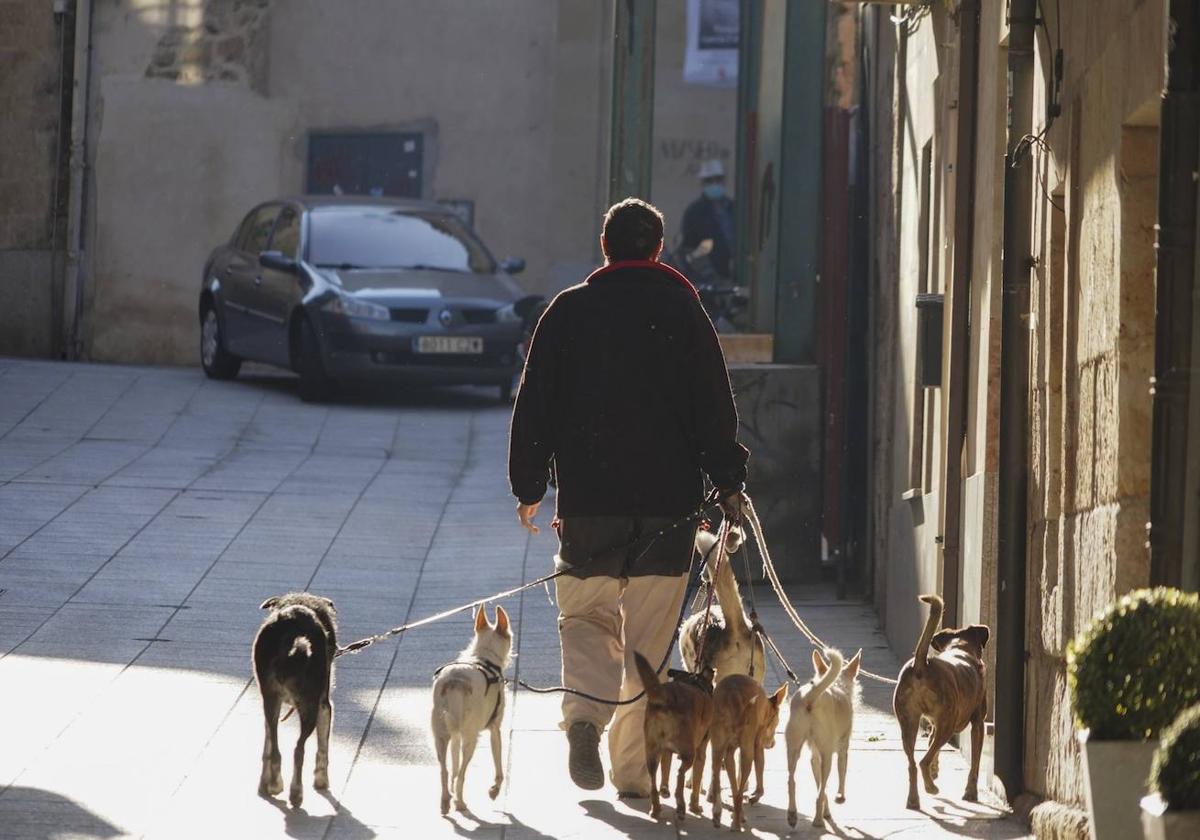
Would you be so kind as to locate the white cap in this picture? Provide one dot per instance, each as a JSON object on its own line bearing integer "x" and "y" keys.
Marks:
{"x": 711, "y": 169}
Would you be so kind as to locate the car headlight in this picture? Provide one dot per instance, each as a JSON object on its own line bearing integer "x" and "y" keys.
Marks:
{"x": 353, "y": 307}
{"x": 508, "y": 315}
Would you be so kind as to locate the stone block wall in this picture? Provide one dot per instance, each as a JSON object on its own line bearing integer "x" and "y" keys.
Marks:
{"x": 1092, "y": 358}
{"x": 30, "y": 42}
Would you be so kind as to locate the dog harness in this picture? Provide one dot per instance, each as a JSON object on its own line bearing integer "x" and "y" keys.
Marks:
{"x": 492, "y": 673}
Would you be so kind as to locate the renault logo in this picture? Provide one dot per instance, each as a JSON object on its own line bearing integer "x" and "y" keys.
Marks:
{"x": 445, "y": 317}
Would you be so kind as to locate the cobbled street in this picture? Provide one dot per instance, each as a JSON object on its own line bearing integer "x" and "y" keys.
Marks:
{"x": 146, "y": 512}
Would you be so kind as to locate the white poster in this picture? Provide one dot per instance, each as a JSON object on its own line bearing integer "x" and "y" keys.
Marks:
{"x": 711, "y": 56}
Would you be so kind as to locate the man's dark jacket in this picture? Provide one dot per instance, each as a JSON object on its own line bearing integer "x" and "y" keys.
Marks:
{"x": 625, "y": 388}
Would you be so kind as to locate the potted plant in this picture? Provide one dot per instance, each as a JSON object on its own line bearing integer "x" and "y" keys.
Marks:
{"x": 1172, "y": 812}
{"x": 1130, "y": 672}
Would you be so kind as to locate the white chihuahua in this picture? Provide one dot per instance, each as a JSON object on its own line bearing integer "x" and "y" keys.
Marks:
{"x": 468, "y": 697}
{"x": 823, "y": 715}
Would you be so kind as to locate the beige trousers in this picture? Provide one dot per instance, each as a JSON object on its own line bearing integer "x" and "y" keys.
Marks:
{"x": 601, "y": 622}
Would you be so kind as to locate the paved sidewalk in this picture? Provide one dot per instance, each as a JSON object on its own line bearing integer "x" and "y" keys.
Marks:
{"x": 145, "y": 513}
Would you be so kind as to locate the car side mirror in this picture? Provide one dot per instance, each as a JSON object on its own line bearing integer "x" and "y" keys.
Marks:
{"x": 512, "y": 265}
{"x": 526, "y": 306}
{"x": 276, "y": 260}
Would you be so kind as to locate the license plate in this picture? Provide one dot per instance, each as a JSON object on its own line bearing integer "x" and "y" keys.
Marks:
{"x": 449, "y": 344}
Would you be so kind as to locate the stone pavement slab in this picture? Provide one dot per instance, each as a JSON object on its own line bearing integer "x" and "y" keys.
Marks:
{"x": 146, "y": 512}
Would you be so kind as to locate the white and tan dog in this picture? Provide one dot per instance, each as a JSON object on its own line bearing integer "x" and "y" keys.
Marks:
{"x": 822, "y": 716}
{"x": 468, "y": 697}
{"x": 729, "y": 644}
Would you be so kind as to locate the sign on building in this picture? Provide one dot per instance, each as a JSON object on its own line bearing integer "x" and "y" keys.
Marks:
{"x": 711, "y": 56}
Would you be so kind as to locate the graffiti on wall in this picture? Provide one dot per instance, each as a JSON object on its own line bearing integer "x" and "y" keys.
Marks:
{"x": 682, "y": 156}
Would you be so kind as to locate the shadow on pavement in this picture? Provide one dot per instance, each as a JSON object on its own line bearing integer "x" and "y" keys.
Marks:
{"x": 40, "y": 815}
{"x": 299, "y": 823}
{"x": 388, "y": 394}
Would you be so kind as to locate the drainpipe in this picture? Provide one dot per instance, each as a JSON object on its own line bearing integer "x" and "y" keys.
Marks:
{"x": 1175, "y": 451}
{"x": 80, "y": 93}
{"x": 960, "y": 302}
{"x": 1014, "y": 404}
{"x": 632, "y": 140}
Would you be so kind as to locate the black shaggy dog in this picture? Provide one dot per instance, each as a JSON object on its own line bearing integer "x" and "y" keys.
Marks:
{"x": 293, "y": 663}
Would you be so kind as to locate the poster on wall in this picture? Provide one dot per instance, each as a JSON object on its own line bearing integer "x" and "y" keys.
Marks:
{"x": 711, "y": 56}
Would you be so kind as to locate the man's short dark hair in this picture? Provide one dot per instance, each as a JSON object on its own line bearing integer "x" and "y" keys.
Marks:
{"x": 633, "y": 230}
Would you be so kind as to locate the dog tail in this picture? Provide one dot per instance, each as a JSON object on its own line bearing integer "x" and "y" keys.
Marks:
{"x": 921, "y": 655}
{"x": 654, "y": 689}
{"x": 831, "y": 673}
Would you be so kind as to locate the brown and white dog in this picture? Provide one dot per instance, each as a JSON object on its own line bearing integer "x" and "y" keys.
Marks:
{"x": 468, "y": 697}
{"x": 744, "y": 721}
{"x": 948, "y": 689}
{"x": 293, "y": 663}
{"x": 678, "y": 715}
{"x": 729, "y": 645}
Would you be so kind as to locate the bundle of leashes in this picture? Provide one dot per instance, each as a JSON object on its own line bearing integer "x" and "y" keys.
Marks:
{"x": 694, "y": 578}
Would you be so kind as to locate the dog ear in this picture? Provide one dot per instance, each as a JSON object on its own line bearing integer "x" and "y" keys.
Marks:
{"x": 851, "y": 670}
{"x": 978, "y": 634}
{"x": 501, "y": 621}
{"x": 480, "y": 619}
{"x": 270, "y": 603}
{"x": 779, "y": 696}
{"x": 819, "y": 663}
{"x": 942, "y": 639}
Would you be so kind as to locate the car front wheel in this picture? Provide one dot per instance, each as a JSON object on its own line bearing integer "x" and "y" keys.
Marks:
{"x": 315, "y": 385}
{"x": 218, "y": 363}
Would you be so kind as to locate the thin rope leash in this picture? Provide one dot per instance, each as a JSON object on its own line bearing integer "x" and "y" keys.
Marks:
{"x": 355, "y": 647}
{"x": 773, "y": 577}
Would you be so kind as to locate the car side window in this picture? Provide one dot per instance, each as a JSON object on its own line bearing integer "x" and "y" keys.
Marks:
{"x": 287, "y": 233}
{"x": 257, "y": 232}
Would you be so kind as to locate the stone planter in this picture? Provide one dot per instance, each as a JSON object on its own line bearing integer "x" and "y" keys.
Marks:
{"x": 1160, "y": 824}
{"x": 1115, "y": 773}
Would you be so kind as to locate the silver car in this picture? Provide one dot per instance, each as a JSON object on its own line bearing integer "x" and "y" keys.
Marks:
{"x": 341, "y": 288}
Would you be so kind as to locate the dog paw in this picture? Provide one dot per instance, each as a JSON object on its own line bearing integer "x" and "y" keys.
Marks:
{"x": 494, "y": 790}
{"x": 754, "y": 797}
{"x": 296, "y": 797}
{"x": 840, "y": 798}
{"x": 819, "y": 822}
{"x": 792, "y": 818}
{"x": 460, "y": 806}
{"x": 665, "y": 790}
{"x": 930, "y": 787}
{"x": 321, "y": 780}
{"x": 971, "y": 794}
{"x": 913, "y": 805}
{"x": 445, "y": 805}
{"x": 680, "y": 814}
{"x": 696, "y": 809}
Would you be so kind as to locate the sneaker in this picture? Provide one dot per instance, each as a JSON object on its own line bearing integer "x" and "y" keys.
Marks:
{"x": 584, "y": 762}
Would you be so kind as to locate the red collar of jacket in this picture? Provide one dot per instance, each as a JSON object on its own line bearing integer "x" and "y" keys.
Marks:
{"x": 652, "y": 264}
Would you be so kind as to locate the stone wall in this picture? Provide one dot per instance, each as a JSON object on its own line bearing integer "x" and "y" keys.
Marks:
{"x": 1092, "y": 356}
{"x": 29, "y": 102}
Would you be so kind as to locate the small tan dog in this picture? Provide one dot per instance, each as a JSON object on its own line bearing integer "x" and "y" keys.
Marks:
{"x": 744, "y": 720}
{"x": 729, "y": 644}
{"x": 678, "y": 715}
{"x": 950, "y": 690}
{"x": 823, "y": 716}
{"x": 468, "y": 697}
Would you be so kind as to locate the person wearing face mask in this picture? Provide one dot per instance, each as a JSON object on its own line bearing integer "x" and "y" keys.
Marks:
{"x": 711, "y": 217}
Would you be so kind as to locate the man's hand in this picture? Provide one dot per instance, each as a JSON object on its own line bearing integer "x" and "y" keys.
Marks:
{"x": 733, "y": 505}
{"x": 526, "y": 513}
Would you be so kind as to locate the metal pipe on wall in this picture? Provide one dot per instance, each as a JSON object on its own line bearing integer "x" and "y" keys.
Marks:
{"x": 632, "y": 139}
{"x": 1175, "y": 453}
{"x": 73, "y": 294}
{"x": 1014, "y": 404}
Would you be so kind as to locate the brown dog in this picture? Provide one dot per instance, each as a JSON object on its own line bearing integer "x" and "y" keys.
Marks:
{"x": 744, "y": 720}
{"x": 678, "y": 715}
{"x": 950, "y": 690}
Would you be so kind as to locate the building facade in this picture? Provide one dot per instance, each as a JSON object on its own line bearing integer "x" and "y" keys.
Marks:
{"x": 195, "y": 111}
{"x": 1016, "y": 178}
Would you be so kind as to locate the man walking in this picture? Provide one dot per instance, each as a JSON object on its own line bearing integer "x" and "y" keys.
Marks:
{"x": 626, "y": 399}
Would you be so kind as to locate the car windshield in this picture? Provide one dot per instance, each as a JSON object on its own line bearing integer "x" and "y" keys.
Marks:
{"x": 386, "y": 237}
